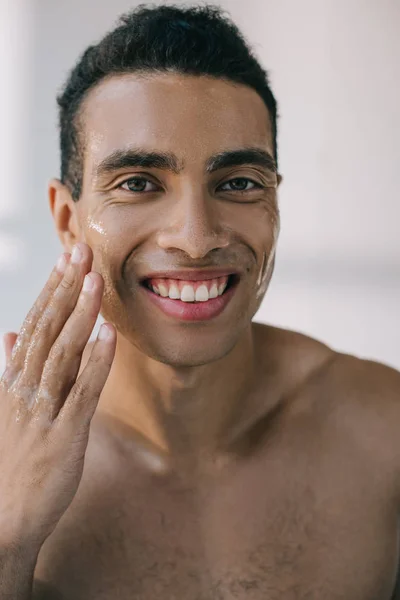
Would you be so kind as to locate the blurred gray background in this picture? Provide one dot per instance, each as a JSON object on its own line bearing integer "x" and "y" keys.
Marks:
{"x": 334, "y": 68}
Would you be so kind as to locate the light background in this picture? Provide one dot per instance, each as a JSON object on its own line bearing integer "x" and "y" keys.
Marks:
{"x": 334, "y": 67}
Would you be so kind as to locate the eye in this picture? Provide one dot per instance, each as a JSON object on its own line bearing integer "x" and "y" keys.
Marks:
{"x": 239, "y": 185}
{"x": 138, "y": 185}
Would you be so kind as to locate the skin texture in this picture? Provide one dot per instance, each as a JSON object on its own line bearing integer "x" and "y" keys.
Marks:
{"x": 227, "y": 459}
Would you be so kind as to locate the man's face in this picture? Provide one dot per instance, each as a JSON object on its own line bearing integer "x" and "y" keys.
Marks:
{"x": 144, "y": 219}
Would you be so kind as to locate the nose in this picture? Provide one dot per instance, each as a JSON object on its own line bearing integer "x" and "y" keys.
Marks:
{"x": 194, "y": 226}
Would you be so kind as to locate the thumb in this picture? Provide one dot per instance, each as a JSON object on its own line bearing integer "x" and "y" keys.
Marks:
{"x": 9, "y": 340}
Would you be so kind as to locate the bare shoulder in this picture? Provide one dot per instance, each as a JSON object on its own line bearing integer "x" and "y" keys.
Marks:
{"x": 366, "y": 380}
{"x": 360, "y": 379}
{"x": 365, "y": 388}
{"x": 356, "y": 397}
{"x": 363, "y": 398}
{"x": 290, "y": 356}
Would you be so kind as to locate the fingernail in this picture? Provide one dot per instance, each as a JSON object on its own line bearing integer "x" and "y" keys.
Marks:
{"x": 88, "y": 283}
{"x": 104, "y": 333}
{"x": 61, "y": 264}
{"x": 76, "y": 255}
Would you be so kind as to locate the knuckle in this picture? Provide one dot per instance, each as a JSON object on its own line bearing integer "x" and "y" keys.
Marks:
{"x": 30, "y": 318}
{"x": 67, "y": 284}
{"x": 46, "y": 295}
{"x": 41, "y": 332}
{"x": 57, "y": 355}
{"x": 95, "y": 361}
{"x": 82, "y": 396}
{"x": 80, "y": 309}
{"x": 82, "y": 389}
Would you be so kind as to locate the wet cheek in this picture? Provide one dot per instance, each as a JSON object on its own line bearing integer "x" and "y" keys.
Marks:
{"x": 106, "y": 241}
{"x": 112, "y": 301}
{"x": 112, "y": 239}
{"x": 95, "y": 235}
{"x": 267, "y": 250}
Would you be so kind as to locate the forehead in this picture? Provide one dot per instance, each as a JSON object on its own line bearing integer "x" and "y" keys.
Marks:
{"x": 192, "y": 116}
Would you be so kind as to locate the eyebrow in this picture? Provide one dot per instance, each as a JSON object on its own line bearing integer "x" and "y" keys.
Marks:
{"x": 243, "y": 156}
{"x": 136, "y": 157}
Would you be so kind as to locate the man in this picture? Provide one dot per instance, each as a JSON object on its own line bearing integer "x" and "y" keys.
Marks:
{"x": 226, "y": 459}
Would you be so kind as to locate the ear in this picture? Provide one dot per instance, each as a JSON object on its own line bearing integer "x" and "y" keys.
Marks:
{"x": 64, "y": 211}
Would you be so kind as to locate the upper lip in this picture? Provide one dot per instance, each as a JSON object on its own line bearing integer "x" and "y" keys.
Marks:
{"x": 191, "y": 275}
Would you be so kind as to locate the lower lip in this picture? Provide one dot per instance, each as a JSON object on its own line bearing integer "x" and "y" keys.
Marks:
{"x": 192, "y": 311}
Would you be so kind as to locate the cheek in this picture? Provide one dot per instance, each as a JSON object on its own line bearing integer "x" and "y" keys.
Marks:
{"x": 106, "y": 246}
{"x": 114, "y": 238}
{"x": 265, "y": 227}
{"x": 270, "y": 226}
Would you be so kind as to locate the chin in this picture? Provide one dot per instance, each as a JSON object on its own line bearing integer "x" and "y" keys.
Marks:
{"x": 197, "y": 359}
{"x": 187, "y": 350}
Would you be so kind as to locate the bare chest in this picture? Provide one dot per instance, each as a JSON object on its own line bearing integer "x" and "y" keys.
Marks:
{"x": 293, "y": 526}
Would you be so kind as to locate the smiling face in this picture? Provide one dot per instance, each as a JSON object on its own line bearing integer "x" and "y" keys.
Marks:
{"x": 190, "y": 208}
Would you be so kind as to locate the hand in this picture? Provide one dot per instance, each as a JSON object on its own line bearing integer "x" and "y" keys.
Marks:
{"x": 45, "y": 410}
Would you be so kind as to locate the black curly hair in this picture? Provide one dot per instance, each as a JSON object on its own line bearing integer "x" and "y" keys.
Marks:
{"x": 197, "y": 40}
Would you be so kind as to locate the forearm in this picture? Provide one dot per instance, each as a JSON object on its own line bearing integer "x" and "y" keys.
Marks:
{"x": 16, "y": 574}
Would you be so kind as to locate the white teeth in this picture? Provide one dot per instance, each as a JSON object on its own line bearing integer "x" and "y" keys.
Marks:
{"x": 202, "y": 293}
{"x": 213, "y": 291}
{"x": 221, "y": 288}
{"x": 174, "y": 292}
{"x": 163, "y": 290}
{"x": 187, "y": 294}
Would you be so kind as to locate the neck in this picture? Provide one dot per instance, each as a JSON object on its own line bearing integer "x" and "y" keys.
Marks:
{"x": 182, "y": 414}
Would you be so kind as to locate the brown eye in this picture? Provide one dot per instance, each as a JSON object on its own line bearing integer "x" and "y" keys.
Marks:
{"x": 137, "y": 184}
{"x": 239, "y": 184}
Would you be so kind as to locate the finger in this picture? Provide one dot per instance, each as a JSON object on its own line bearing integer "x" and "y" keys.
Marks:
{"x": 75, "y": 415}
{"x": 19, "y": 351}
{"x": 7, "y": 377}
{"x": 9, "y": 340}
{"x": 62, "y": 366}
{"x": 54, "y": 317}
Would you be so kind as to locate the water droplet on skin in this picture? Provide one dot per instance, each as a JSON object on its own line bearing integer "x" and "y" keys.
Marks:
{"x": 92, "y": 224}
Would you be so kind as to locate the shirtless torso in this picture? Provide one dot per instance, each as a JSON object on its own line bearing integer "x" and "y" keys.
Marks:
{"x": 305, "y": 506}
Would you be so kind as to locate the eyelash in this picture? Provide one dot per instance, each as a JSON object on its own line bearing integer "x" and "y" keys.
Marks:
{"x": 255, "y": 184}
